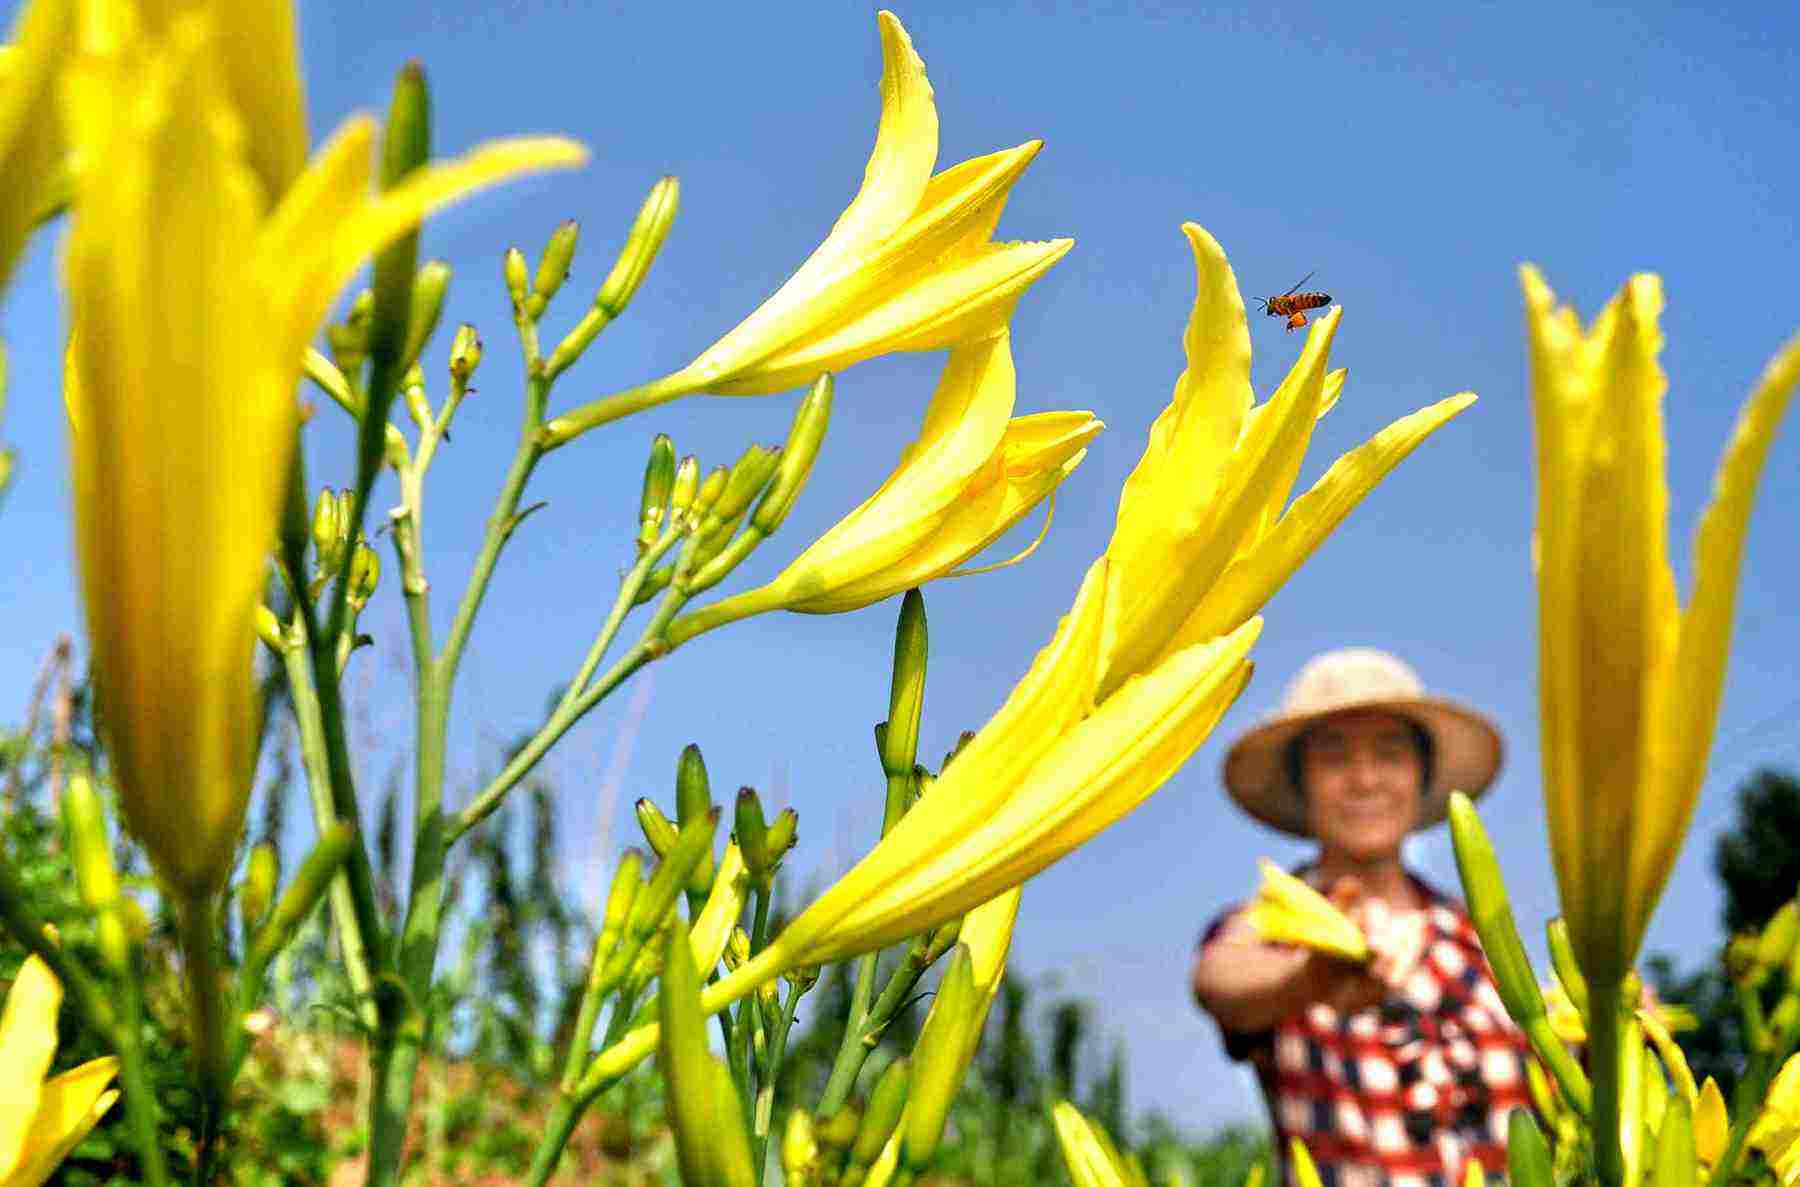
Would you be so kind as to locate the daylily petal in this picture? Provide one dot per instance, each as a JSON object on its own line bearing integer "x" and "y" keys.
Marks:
{"x": 1050, "y": 698}
{"x": 260, "y": 51}
{"x": 72, "y": 1105}
{"x": 27, "y": 1044}
{"x": 985, "y": 512}
{"x": 968, "y": 298}
{"x": 31, "y": 142}
{"x": 1092, "y": 775}
{"x": 724, "y": 904}
{"x": 1691, "y": 710}
{"x": 1156, "y": 588}
{"x": 1711, "y": 1126}
{"x": 1194, "y": 435}
{"x": 1089, "y": 1163}
{"x": 174, "y": 409}
{"x": 898, "y": 173}
{"x": 1253, "y": 578}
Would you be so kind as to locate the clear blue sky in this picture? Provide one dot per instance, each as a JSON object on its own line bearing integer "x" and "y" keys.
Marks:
{"x": 1412, "y": 154}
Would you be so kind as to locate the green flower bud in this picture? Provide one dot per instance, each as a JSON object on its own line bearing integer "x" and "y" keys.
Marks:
{"x": 327, "y": 531}
{"x": 628, "y": 881}
{"x": 799, "y": 1150}
{"x": 686, "y": 486}
{"x": 882, "y": 1116}
{"x": 268, "y": 629}
{"x": 693, "y": 790}
{"x": 685, "y": 1061}
{"x": 839, "y": 1130}
{"x": 802, "y": 978}
{"x": 518, "y": 279}
{"x": 708, "y": 496}
{"x": 753, "y": 470}
{"x": 784, "y": 830}
{"x": 1562, "y": 959}
{"x": 1776, "y": 944}
{"x": 658, "y": 831}
{"x": 938, "y": 1060}
{"x": 429, "y": 288}
{"x": 1740, "y": 960}
{"x": 1543, "y": 1095}
{"x": 412, "y": 390}
{"x": 256, "y": 893}
{"x": 752, "y": 832}
{"x": 693, "y": 842}
{"x": 405, "y": 149}
{"x": 797, "y": 457}
{"x": 648, "y": 231}
{"x": 553, "y": 266}
{"x": 659, "y": 483}
{"x": 465, "y": 353}
{"x": 737, "y": 948}
{"x": 906, "y": 694}
{"x": 365, "y": 574}
{"x": 349, "y": 339}
{"x": 730, "y": 1137}
{"x": 962, "y": 743}
{"x": 1492, "y": 913}
{"x": 85, "y": 822}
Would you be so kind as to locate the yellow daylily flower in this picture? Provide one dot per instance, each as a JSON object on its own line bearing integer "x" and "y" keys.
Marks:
{"x": 909, "y": 265}
{"x": 31, "y": 142}
{"x": 1201, "y": 541}
{"x": 42, "y": 1120}
{"x": 1629, "y": 682}
{"x": 1092, "y": 1158}
{"x": 974, "y": 471}
{"x": 1119, "y": 699}
{"x": 193, "y": 297}
{"x": 1288, "y": 911}
{"x": 1776, "y": 1130}
{"x": 987, "y": 933}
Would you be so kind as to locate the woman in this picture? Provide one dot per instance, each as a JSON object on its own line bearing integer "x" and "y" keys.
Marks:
{"x": 1399, "y": 1073}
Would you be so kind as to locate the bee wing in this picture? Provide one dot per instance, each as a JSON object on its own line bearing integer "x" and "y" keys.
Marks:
{"x": 1300, "y": 282}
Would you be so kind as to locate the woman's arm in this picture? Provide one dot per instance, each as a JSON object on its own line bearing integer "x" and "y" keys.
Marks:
{"x": 1249, "y": 985}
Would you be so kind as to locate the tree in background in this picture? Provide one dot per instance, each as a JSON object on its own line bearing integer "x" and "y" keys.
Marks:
{"x": 1758, "y": 864}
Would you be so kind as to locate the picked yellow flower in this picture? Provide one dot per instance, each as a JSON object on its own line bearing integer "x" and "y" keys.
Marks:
{"x": 42, "y": 1120}
{"x": 1288, "y": 911}
{"x": 193, "y": 293}
{"x": 974, "y": 471}
{"x": 910, "y": 264}
{"x": 1629, "y": 681}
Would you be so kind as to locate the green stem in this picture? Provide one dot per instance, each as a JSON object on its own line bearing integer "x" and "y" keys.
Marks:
{"x": 559, "y": 1126}
{"x": 206, "y": 1007}
{"x": 594, "y": 413}
{"x": 313, "y": 756}
{"x": 726, "y": 611}
{"x": 1605, "y": 1034}
{"x": 141, "y": 1112}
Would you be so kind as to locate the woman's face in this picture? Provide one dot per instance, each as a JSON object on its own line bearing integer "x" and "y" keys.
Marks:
{"x": 1363, "y": 775}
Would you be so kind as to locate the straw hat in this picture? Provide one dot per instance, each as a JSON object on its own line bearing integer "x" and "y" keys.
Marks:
{"x": 1466, "y": 744}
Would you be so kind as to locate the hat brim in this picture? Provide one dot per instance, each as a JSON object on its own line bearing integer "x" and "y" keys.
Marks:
{"x": 1468, "y": 754}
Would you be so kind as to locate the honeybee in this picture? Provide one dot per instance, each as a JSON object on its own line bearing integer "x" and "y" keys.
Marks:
{"x": 1293, "y": 305}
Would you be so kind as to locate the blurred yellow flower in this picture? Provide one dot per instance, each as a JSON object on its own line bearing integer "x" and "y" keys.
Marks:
{"x": 909, "y": 265}
{"x": 1288, "y": 911}
{"x": 1776, "y": 1131}
{"x": 31, "y": 142}
{"x": 974, "y": 471}
{"x": 1092, "y": 1158}
{"x": 193, "y": 296}
{"x": 1628, "y": 682}
{"x": 42, "y": 1120}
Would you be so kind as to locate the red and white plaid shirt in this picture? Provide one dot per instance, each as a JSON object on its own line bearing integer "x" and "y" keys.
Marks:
{"x": 1405, "y": 1093}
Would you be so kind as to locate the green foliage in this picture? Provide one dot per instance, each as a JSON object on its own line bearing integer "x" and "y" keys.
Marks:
{"x": 1757, "y": 861}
